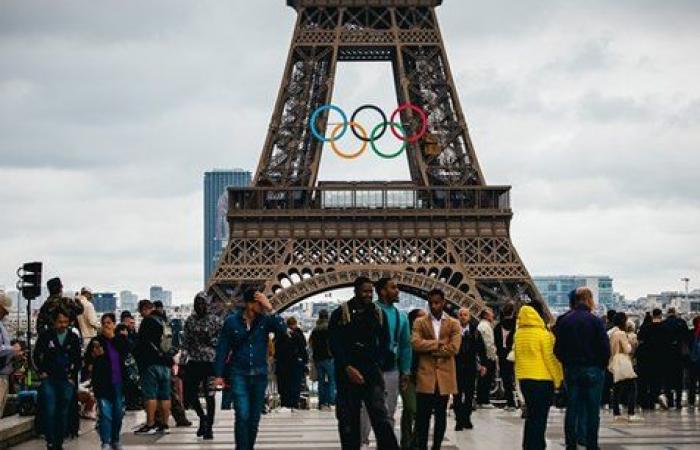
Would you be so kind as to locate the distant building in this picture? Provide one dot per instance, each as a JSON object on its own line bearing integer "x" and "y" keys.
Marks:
{"x": 555, "y": 289}
{"x": 675, "y": 299}
{"x": 216, "y": 183}
{"x": 104, "y": 301}
{"x": 128, "y": 301}
{"x": 167, "y": 299}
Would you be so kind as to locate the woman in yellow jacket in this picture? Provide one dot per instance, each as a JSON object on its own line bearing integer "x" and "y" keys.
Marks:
{"x": 539, "y": 373}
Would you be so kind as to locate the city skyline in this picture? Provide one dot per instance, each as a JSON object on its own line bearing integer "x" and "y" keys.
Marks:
{"x": 587, "y": 111}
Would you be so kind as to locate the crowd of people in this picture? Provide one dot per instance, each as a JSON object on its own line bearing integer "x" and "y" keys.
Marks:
{"x": 364, "y": 356}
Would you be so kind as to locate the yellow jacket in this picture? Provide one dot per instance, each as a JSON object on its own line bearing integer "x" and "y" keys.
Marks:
{"x": 533, "y": 345}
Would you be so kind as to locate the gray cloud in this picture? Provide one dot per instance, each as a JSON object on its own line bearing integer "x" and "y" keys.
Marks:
{"x": 111, "y": 111}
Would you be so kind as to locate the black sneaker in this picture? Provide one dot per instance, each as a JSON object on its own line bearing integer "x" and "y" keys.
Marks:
{"x": 146, "y": 429}
{"x": 163, "y": 429}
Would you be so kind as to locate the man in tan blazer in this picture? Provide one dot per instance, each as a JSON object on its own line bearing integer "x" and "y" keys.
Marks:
{"x": 436, "y": 340}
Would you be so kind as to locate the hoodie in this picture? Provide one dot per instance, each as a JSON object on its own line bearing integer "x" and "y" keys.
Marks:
{"x": 534, "y": 349}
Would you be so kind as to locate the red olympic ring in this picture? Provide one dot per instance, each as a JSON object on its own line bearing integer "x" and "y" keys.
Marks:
{"x": 423, "y": 117}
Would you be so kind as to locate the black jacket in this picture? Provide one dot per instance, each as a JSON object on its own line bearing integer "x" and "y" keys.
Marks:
{"x": 362, "y": 343}
{"x": 581, "y": 339}
{"x": 678, "y": 336}
{"x": 290, "y": 348}
{"x": 100, "y": 369}
{"x": 147, "y": 351}
{"x": 471, "y": 352}
{"x": 59, "y": 362}
{"x": 501, "y": 349}
{"x": 319, "y": 340}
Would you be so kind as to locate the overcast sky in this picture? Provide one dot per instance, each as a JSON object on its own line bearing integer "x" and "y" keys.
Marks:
{"x": 110, "y": 112}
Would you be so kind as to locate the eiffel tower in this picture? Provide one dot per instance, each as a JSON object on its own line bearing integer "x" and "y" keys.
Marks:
{"x": 293, "y": 237}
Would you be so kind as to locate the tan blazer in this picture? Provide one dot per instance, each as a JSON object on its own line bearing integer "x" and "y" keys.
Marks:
{"x": 436, "y": 356}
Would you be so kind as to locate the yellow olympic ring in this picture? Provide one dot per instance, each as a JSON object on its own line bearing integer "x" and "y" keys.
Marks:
{"x": 335, "y": 149}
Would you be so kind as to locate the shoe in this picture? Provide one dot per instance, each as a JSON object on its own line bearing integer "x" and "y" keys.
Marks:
{"x": 635, "y": 418}
{"x": 486, "y": 406}
{"x": 146, "y": 430}
{"x": 202, "y": 427}
{"x": 663, "y": 401}
{"x": 469, "y": 425}
{"x": 459, "y": 427}
{"x": 106, "y": 447}
{"x": 184, "y": 424}
{"x": 208, "y": 434}
{"x": 619, "y": 419}
{"x": 117, "y": 446}
{"x": 163, "y": 429}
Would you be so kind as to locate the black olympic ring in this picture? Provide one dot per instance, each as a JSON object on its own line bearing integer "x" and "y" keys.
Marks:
{"x": 384, "y": 122}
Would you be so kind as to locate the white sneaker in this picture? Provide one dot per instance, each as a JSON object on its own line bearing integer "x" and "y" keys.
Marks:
{"x": 635, "y": 418}
{"x": 663, "y": 401}
{"x": 106, "y": 447}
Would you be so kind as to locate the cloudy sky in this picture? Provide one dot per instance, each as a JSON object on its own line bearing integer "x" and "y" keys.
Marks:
{"x": 110, "y": 112}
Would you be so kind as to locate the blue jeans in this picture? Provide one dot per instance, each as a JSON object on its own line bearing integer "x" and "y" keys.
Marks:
{"x": 326, "y": 382}
{"x": 584, "y": 387}
{"x": 248, "y": 399}
{"x": 57, "y": 397}
{"x": 111, "y": 412}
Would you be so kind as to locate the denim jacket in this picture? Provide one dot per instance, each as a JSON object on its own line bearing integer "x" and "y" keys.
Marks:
{"x": 248, "y": 348}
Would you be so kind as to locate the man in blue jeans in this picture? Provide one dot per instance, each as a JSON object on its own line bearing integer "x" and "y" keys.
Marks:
{"x": 583, "y": 347}
{"x": 323, "y": 360}
{"x": 57, "y": 359}
{"x": 245, "y": 337}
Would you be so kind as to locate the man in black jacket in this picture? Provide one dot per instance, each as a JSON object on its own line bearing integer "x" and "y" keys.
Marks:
{"x": 57, "y": 359}
{"x": 471, "y": 353}
{"x": 678, "y": 337}
{"x": 651, "y": 353}
{"x": 503, "y": 336}
{"x": 323, "y": 360}
{"x": 154, "y": 367}
{"x": 583, "y": 347}
{"x": 359, "y": 338}
{"x": 291, "y": 359}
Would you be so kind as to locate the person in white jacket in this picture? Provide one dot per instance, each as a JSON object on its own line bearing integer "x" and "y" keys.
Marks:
{"x": 88, "y": 322}
{"x": 484, "y": 384}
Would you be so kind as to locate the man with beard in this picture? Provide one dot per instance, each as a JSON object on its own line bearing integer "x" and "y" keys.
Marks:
{"x": 359, "y": 338}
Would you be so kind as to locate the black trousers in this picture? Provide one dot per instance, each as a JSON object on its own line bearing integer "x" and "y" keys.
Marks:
{"x": 426, "y": 406}
{"x": 197, "y": 377}
{"x": 693, "y": 379}
{"x": 538, "y": 396}
{"x": 483, "y": 394}
{"x": 508, "y": 378}
{"x": 349, "y": 400}
{"x": 463, "y": 400}
{"x": 673, "y": 380}
{"x": 625, "y": 391}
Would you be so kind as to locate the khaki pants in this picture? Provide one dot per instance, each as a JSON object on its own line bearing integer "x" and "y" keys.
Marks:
{"x": 4, "y": 389}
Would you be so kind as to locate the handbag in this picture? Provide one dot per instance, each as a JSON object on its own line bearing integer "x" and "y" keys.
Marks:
{"x": 620, "y": 366}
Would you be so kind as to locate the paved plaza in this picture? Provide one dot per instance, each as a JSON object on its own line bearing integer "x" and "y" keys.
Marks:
{"x": 494, "y": 429}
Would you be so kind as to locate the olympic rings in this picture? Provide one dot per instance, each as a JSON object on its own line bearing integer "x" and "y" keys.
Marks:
{"x": 377, "y": 151}
{"x": 383, "y": 124}
{"x": 319, "y": 110}
{"x": 377, "y": 132}
{"x": 363, "y": 147}
{"x": 423, "y": 118}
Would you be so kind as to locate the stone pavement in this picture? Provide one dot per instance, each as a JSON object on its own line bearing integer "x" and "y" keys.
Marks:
{"x": 494, "y": 429}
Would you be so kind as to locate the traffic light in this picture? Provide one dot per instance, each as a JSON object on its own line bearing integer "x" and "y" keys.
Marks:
{"x": 30, "y": 280}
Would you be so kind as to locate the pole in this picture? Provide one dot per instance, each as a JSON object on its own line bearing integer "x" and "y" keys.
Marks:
{"x": 18, "y": 331}
{"x": 686, "y": 280}
{"x": 29, "y": 331}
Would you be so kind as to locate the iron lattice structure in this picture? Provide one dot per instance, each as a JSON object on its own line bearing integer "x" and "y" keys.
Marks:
{"x": 446, "y": 228}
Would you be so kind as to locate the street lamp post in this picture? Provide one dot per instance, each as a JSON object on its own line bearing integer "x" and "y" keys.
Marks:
{"x": 686, "y": 280}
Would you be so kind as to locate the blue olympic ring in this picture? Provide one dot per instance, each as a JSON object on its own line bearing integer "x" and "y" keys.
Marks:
{"x": 319, "y": 110}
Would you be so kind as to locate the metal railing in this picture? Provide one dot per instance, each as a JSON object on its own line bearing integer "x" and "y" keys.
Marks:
{"x": 359, "y": 197}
